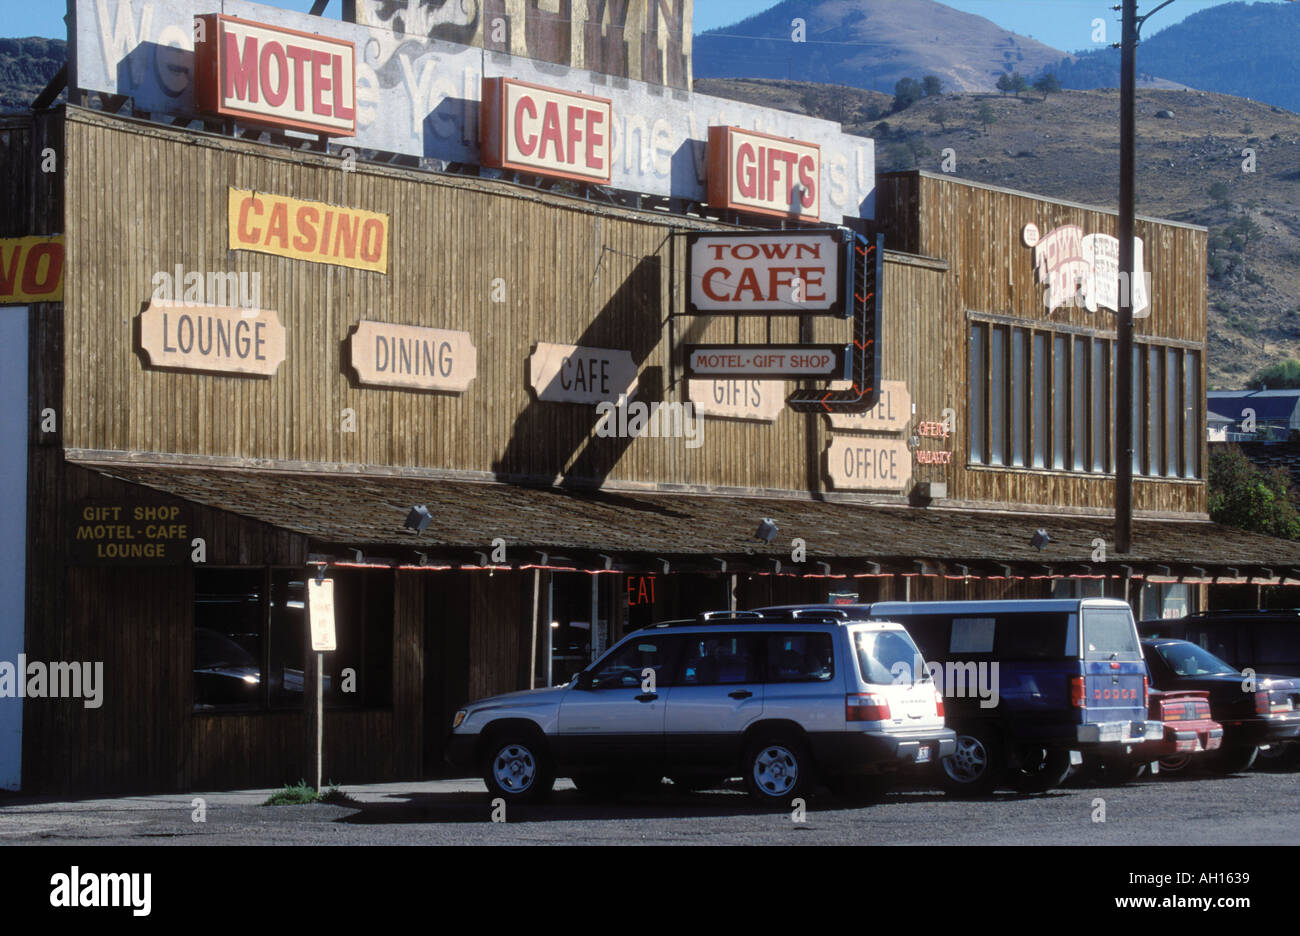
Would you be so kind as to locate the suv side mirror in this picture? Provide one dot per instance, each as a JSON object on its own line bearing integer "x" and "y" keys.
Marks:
{"x": 582, "y": 680}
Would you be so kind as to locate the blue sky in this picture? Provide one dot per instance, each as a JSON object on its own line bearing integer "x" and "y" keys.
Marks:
{"x": 1065, "y": 24}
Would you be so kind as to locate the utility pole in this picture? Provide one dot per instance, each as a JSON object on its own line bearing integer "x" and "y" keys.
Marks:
{"x": 1131, "y": 26}
{"x": 1124, "y": 325}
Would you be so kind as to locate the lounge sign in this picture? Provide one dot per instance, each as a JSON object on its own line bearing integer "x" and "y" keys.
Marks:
{"x": 128, "y": 533}
{"x": 272, "y": 75}
{"x": 307, "y": 230}
{"x": 31, "y": 270}
{"x": 413, "y": 357}
{"x": 764, "y": 174}
{"x": 570, "y": 374}
{"x": 217, "y": 339}
{"x": 869, "y": 464}
{"x": 535, "y": 129}
{"x": 768, "y": 273}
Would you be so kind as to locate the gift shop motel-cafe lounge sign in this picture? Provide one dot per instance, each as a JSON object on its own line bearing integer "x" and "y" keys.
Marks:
{"x": 272, "y": 75}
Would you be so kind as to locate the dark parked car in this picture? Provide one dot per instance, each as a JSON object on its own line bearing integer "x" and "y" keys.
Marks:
{"x": 1265, "y": 640}
{"x": 1254, "y": 710}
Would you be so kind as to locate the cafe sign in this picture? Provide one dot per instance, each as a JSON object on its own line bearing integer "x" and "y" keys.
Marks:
{"x": 412, "y": 357}
{"x": 760, "y": 400}
{"x": 571, "y": 374}
{"x": 535, "y": 129}
{"x": 869, "y": 464}
{"x": 892, "y": 412}
{"x": 769, "y": 273}
{"x": 764, "y": 174}
{"x": 218, "y": 339}
{"x": 273, "y": 75}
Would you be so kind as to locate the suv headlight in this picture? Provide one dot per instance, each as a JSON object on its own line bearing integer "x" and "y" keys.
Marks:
{"x": 460, "y": 717}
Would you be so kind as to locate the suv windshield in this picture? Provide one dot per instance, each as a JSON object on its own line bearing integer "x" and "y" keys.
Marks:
{"x": 1187, "y": 659}
{"x": 888, "y": 656}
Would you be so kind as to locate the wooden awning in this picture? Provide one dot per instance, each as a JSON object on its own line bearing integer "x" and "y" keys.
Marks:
{"x": 641, "y": 530}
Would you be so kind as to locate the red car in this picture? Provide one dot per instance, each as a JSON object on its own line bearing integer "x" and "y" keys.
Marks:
{"x": 1189, "y": 729}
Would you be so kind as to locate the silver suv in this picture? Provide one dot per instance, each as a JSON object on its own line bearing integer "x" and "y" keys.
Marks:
{"x": 773, "y": 697}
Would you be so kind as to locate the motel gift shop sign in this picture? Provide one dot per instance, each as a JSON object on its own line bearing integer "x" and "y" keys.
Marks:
{"x": 271, "y": 75}
{"x": 411, "y": 357}
{"x": 544, "y": 130}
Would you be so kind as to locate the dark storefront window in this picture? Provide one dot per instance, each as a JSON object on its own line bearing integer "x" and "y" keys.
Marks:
{"x": 1016, "y": 391}
{"x": 229, "y": 621}
{"x": 251, "y": 646}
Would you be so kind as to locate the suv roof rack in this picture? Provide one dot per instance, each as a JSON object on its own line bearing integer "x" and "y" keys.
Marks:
{"x": 708, "y": 617}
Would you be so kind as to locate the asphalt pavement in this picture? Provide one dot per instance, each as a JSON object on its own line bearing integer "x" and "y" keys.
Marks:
{"x": 1256, "y": 807}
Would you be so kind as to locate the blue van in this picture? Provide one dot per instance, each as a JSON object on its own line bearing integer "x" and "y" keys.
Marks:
{"x": 1029, "y": 686}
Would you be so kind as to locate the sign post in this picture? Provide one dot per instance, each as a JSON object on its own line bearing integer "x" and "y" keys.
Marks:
{"x": 320, "y": 604}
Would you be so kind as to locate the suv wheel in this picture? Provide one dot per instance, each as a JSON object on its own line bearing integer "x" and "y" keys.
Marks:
{"x": 1231, "y": 760}
{"x": 977, "y": 765}
{"x": 1042, "y": 769}
{"x": 1283, "y": 755}
{"x": 518, "y": 768}
{"x": 777, "y": 769}
{"x": 1112, "y": 769}
{"x": 1175, "y": 763}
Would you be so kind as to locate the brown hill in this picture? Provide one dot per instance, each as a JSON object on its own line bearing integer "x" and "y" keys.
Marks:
{"x": 871, "y": 44}
{"x": 1067, "y": 147}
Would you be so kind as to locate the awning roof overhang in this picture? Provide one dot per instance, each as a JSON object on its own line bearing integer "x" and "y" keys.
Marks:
{"x": 341, "y": 513}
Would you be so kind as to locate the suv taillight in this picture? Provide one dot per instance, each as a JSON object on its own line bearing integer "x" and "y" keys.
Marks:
{"x": 1145, "y": 693}
{"x": 938, "y": 702}
{"x": 866, "y": 706}
{"x": 1078, "y": 695}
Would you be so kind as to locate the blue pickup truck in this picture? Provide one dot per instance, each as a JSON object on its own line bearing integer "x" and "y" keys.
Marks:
{"x": 1029, "y": 686}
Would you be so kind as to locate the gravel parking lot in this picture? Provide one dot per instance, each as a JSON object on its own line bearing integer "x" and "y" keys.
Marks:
{"x": 1257, "y": 807}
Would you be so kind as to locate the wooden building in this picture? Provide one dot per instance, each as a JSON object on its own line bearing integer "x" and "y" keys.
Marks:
{"x": 230, "y": 400}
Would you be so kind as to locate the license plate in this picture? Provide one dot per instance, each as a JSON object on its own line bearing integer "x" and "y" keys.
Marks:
{"x": 923, "y": 754}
